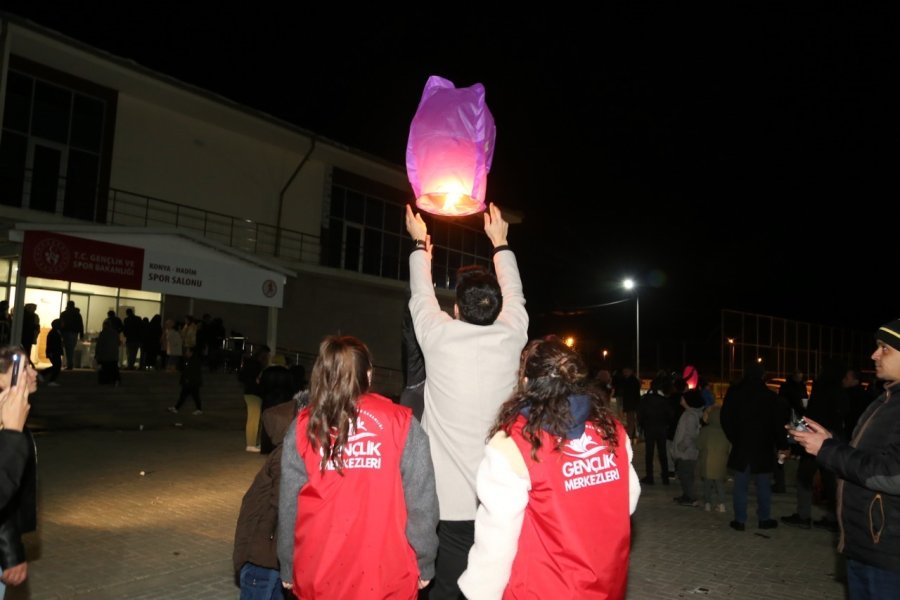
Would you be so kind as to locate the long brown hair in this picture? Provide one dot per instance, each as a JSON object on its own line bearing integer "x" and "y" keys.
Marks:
{"x": 549, "y": 374}
{"x": 339, "y": 377}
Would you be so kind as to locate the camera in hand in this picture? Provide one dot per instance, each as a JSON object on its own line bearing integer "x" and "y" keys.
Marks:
{"x": 797, "y": 424}
{"x": 800, "y": 425}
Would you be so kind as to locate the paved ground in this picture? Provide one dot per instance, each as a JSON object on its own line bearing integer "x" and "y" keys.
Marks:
{"x": 106, "y": 531}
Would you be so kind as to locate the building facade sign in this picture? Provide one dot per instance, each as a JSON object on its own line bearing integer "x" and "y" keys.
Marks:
{"x": 166, "y": 264}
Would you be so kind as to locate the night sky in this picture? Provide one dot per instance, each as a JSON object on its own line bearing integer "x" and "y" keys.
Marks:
{"x": 732, "y": 158}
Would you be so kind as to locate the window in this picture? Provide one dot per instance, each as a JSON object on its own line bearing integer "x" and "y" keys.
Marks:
{"x": 52, "y": 150}
{"x": 366, "y": 233}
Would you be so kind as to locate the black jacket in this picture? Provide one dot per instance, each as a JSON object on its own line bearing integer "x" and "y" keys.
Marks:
{"x": 19, "y": 514}
{"x": 753, "y": 424}
{"x": 868, "y": 493}
{"x": 13, "y": 458}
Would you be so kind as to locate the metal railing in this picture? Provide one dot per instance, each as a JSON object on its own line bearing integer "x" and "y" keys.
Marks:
{"x": 136, "y": 210}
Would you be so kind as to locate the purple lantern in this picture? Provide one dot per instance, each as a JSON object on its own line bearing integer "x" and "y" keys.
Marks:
{"x": 451, "y": 144}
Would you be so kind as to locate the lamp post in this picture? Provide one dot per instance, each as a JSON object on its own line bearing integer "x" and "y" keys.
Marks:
{"x": 731, "y": 364}
{"x": 629, "y": 285}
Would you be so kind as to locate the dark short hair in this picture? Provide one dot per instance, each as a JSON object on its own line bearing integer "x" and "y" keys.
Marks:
{"x": 478, "y": 295}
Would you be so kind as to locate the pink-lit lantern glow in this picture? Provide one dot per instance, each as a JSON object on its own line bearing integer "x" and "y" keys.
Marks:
{"x": 450, "y": 148}
{"x": 691, "y": 376}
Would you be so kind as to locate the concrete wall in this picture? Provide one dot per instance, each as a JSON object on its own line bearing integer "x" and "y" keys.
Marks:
{"x": 165, "y": 154}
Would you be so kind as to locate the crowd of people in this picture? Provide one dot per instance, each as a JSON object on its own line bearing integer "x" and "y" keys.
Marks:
{"x": 519, "y": 448}
{"x": 134, "y": 342}
{"x": 483, "y": 480}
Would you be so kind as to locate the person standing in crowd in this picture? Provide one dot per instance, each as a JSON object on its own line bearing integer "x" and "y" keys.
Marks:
{"x": 72, "y": 331}
{"x": 752, "y": 423}
{"x": 189, "y": 333}
{"x": 249, "y": 374}
{"x": 31, "y": 327}
{"x": 54, "y": 352}
{"x": 684, "y": 446}
{"x": 18, "y": 508}
{"x": 276, "y": 386}
{"x": 357, "y": 508}
{"x": 472, "y": 363}
{"x": 107, "y": 354}
{"x": 131, "y": 327}
{"x": 855, "y": 402}
{"x": 654, "y": 415}
{"x": 627, "y": 390}
{"x": 868, "y": 468}
{"x": 824, "y": 406}
{"x": 531, "y": 533}
{"x": 713, "y": 449}
{"x": 171, "y": 341}
{"x": 152, "y": 345}
{"x": 116, "y": 322}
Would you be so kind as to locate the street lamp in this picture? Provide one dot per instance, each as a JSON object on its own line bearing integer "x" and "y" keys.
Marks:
{"x": 605, "y": 354}
{"x": 629, "y": 285}
{"x": 569, "y": 341}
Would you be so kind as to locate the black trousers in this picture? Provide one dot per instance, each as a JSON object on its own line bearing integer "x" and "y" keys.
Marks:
{"x": 189, "y": 390}
{"x": 455, "y": 538}
{"x": 657, "y": 440}
{"x": 56, "y": 365}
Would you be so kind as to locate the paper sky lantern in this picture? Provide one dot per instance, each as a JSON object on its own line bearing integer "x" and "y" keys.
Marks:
{"x": 691, "y": 376}
{"x": 451, "y": 144}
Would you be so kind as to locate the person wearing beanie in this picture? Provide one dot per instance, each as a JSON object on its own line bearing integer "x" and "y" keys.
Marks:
{"x": 684, "y": 446}
{"x": 868, "y": 471}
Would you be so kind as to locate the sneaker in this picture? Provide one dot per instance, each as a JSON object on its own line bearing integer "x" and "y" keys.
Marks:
{"x": 172, "y": 410}
{"x": 796, "y": 520}
{"x": 253, "y": 449}
{"x": 737, "y": 526}
{"x": 768, "y": 524}
{"x": 197, "y": 412}
{"x": 707, "y": 507}
{"x": 720, "y": 508}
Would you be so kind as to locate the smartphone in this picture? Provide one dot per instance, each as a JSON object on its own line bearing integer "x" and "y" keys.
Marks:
{"x": 16, "y": 363}
{"x": 800, "y": 425}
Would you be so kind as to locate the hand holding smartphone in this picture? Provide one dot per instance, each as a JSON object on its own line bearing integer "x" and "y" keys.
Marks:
{"x": 16, "y": 365}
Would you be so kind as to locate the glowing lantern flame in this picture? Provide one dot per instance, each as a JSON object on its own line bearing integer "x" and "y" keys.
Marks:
{"x": 450, "y": 148}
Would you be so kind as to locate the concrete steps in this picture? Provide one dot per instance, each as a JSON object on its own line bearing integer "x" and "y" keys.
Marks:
{"x": 79, "y": 402}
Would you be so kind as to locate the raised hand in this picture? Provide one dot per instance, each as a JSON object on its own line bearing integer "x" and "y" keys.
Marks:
{"x": 415, "y": 225}
{"x": 494, "y": 226}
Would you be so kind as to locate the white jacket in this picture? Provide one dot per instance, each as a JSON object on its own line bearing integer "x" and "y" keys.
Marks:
{"x": 471, "y": 371}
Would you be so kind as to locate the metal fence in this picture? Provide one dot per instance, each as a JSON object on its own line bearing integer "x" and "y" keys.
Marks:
{"x": 783, "y": 346}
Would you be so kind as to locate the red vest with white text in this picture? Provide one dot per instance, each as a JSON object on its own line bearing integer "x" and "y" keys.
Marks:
{"x": 350, "y": 537}
{"x": 576, "y": 534}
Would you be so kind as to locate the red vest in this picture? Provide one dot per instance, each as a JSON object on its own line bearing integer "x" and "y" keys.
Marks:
{"x": 576, "y": 533}
{"x": 350, "y": 537}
